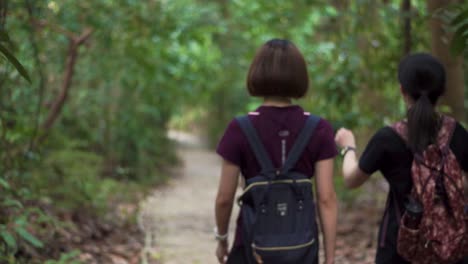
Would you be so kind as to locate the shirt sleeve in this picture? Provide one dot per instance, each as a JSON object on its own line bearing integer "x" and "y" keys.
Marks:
{"x": 372, "y": 157}
{"x": 327, "y": 148}
{"x": 229, "y": 147}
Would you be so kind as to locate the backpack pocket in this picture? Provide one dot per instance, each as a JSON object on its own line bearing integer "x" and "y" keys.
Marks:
{"x": 408, "y": 242}
{"x": 285, "y": 254}
{"x": 413, "y": 246}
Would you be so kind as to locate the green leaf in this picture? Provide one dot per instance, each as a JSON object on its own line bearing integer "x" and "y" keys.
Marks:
{"x": 29, "y": 237}
{"x": 15, "y": 62}
{"x": 460, "y": 18}
{"x": 11, "y": 202}
{"x": 68, "y": 257}
{"x": 4, "y": 36}
{"x": 459, "y": 40}
{"x": 4, "y": 184}
{"x": 9, "y": 239}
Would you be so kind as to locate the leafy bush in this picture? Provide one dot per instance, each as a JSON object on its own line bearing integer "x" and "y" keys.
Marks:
{"x": 15, "y": 225}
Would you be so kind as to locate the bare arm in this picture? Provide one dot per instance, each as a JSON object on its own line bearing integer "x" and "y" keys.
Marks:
{"x": 224, "y": 202}
{"x": 353, "y": 175}
{"x": 327, "y": 205}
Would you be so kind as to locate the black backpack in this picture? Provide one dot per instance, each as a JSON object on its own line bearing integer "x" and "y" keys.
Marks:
{"x": 277, "y": 207}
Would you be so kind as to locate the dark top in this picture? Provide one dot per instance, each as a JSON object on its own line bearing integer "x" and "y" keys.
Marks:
{"x": 388, "y": 153}
{"x": 277, "y": 128}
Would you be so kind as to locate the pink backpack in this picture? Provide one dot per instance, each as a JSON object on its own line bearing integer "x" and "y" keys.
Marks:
{"x": 438, "y": 184}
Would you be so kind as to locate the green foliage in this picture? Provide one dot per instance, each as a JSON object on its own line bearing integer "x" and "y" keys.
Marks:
{"x": 352, "y": 50}
{"x": 109, "y": 142}
{"x": 459, "y": 24}
{"x": 16, "y": 231}
{"x": 66, "y": 258}
{"x": 4, "y": 38}
{"x": 71, "y": 170}
{"x": 78, "y": 184}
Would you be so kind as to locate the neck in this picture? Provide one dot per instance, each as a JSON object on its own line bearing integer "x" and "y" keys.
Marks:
{"x": 277, "y": 101}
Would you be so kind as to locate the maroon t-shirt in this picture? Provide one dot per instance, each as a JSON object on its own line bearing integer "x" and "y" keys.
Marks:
{"x": 277, "y": 128}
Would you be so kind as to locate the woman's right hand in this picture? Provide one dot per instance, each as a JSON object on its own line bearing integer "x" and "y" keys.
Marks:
{"x": 345, "y": 138}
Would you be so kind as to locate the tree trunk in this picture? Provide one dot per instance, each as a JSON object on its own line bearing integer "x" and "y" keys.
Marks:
{"x": 3, "y": 12}
{"x": 406, "y": 17}
{"x": 454, "y": 97}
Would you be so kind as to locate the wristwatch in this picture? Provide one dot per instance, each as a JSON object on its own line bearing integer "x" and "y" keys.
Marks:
{"x": 219, "y": 237}
{"x": 346, "y": 149}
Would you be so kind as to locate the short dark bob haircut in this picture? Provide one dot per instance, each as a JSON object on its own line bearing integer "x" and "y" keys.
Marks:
{"x": 278, "y": 70}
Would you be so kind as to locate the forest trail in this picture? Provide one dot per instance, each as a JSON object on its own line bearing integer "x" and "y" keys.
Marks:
{"x": 178, "y": 219}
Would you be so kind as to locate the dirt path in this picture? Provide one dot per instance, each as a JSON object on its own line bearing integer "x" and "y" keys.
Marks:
{"x": 178, "y": 219}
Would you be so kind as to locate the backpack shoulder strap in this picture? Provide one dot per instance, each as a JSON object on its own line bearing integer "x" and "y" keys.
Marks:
{"x": 446, "y": 131}
{"x": 255, "y": 143}
{"x": 401, "y": 129}
{"x": 301, "y": 142}
{"x": 443, "y": 138}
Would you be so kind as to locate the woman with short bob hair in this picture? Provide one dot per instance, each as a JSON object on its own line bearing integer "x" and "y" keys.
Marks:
{"x": 277, "y": 74}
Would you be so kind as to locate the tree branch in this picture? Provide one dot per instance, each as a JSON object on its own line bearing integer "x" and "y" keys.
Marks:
{"x": 41, "y": 23}
{"x": 56, "y": 108}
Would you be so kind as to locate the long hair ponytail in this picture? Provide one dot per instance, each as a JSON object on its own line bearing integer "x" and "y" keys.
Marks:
{"x": 422, "y": 78}
{"x": 422, "y": 124}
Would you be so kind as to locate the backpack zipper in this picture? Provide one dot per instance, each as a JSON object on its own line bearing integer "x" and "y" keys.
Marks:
{"x": 255, "y": 247}
{"x": 275, "y": 182}
{"x": 239, "y": 199}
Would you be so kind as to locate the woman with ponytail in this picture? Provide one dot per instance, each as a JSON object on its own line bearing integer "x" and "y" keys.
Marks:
{"x": 422, "y": 83}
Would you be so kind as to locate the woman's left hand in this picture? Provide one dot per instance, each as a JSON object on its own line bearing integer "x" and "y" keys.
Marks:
{"x": 222, "y": 252}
